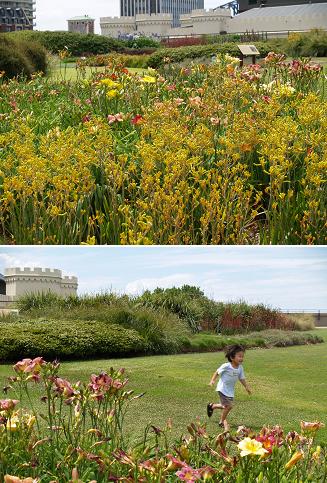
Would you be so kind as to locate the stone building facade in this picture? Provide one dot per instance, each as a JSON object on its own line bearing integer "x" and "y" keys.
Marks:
{"x": 81, "y": 25}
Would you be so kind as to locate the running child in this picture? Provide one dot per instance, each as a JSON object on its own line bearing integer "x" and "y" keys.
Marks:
{"x": 229, "y": 373}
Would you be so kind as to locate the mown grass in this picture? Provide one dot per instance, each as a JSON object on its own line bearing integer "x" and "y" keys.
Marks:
{"x": 68, "y": 72}
{"x": 288, "y": 386}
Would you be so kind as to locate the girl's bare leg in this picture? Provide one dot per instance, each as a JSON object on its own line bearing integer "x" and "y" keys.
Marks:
{"x": 217, "y": 406}
{"x": 224, "y": 415}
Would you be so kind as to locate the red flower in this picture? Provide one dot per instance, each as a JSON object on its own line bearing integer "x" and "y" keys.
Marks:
{"x": 137, "y": 119}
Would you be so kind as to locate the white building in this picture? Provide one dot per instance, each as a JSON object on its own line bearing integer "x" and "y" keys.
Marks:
{"x": 161, "y": 25}
{"x": 273, "y": 20}
{"x": 17, "y": 282}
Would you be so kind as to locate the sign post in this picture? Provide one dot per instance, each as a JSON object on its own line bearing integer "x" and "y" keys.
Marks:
{"x": 248, "y": 50}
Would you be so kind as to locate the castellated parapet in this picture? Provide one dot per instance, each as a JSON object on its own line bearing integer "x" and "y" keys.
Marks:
{"x": 22, "y": 281}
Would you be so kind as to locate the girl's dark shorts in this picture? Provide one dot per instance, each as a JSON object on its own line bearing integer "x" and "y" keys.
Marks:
{"x": 225, "y": 400}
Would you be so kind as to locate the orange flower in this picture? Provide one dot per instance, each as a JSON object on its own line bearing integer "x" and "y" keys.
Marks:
{"x": 297, "y": 456}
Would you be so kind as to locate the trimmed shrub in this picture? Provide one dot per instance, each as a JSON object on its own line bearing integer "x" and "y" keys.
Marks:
{"x": 164, "y": 56}
{"x": 59, "y": 339}
{"x": 142, "y": 43}
{"x": 74, "y": 43}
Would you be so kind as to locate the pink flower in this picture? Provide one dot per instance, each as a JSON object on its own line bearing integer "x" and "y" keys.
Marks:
{"x": 115, "y": 118}
{"x": 188, "y": 474}
{"x": 63, "y": 387}
{"x": 8, "y": 404}
{"x": 30, "y": 366}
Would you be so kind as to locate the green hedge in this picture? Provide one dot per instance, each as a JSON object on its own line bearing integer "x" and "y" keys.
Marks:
{"x": 268, "y": 338}
{"x": 158, "y": 59}
{"x": 160, "y": 330}
{"x": 75, "y": 43}
{"x": 19, "y": 57}
{"x": 53, "y": 339}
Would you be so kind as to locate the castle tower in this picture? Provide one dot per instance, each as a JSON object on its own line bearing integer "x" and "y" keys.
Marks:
{"x": 22, "y": 281}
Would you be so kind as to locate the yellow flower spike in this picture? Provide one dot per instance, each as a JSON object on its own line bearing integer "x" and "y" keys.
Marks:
{"x": 316, "y": 454}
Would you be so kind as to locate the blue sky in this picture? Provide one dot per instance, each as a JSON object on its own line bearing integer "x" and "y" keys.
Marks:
{"x": 284, "y": 277}
{"x": 53, "y": 15}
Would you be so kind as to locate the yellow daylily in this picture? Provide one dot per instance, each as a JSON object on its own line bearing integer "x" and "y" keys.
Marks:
{"x": 111, "y": 84}
{"x": 112, "y": 93}
{"x": 149, "y": 79}
{"x": 250, "y": 446}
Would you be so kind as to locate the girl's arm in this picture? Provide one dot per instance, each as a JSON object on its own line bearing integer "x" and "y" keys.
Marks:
{"x": 244, "y": 383}
{"x": 213, "y": 379}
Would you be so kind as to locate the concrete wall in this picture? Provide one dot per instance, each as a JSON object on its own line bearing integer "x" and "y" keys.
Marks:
{"x": 115, "y": 26}
{"x": 21, "y": 281}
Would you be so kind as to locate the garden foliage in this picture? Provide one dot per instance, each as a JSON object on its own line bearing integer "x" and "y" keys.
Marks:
{"x": 80, "y": 437}
{"x": 197, "y": 155}
{"x": 21, "y": 57}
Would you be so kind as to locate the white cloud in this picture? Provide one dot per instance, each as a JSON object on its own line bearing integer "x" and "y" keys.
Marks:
{"x": 12, "y": 261}
{"x": 174, "y": 280}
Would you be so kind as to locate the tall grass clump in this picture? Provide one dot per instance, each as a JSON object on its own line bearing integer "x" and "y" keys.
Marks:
{"x": 302, "y": 321}
{"x": 189, "y": 303}
{"x": 20, "y": 58}
{"x": 243, "y": 318}
{"x": 308, "y": 44}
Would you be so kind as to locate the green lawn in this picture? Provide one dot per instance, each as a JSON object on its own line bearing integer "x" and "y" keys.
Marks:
{"x": 289, "y": 384}
{"x": 68, "y": 71}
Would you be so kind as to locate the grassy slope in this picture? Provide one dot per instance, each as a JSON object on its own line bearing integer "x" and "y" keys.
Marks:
{"x": 288, "y": 385}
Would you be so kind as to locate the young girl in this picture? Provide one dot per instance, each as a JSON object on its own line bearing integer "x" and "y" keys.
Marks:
{"x": 229, "y": 373}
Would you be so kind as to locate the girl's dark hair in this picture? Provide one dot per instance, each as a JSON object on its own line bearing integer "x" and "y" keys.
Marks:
{"x": 232, "y": 350}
